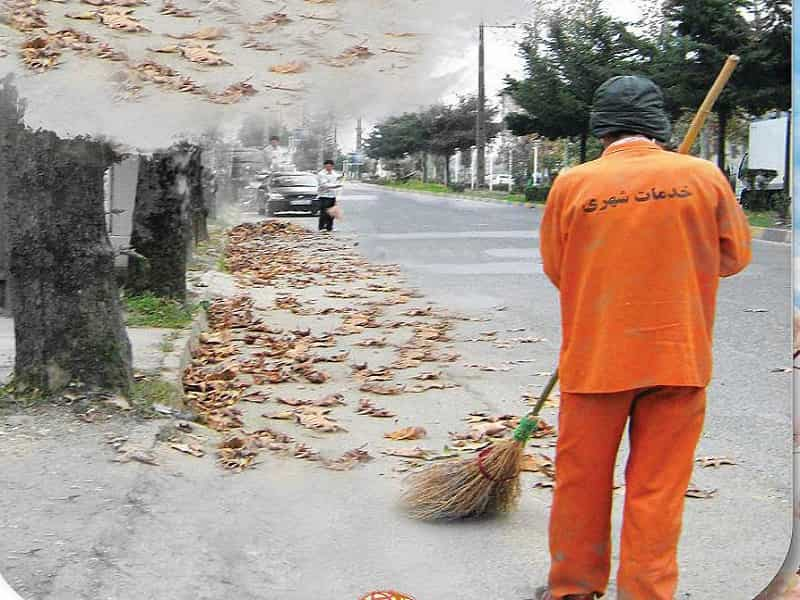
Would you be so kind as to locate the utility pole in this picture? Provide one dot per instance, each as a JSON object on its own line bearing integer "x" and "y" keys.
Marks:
{"x": 480, "y": 125}
{"x": 359, "y": 133}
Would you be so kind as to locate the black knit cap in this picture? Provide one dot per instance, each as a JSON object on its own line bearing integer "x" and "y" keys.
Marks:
{"x": 630, "y": 103}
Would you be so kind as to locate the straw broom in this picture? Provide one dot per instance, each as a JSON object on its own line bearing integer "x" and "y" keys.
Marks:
{"x": 490, "y": 482}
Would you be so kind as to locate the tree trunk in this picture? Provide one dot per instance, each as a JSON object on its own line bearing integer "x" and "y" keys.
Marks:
{"x": 447, "y": 169}
{"x": 5, "y": 277}
{"x": 161, "y": 226}
{"x": 424, "y": 167}
{"x": 68, "y": 321}
{"x": 584, "y": 139}
{"x": 10, "y": 119}
{"x": 722, "y": 118}
{"x": 209, "y": 195}
{"x": 196, "y": 192}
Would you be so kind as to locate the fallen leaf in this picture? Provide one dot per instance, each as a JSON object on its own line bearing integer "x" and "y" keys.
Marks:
{"x": 292, "y": 401}
{"x": 407, "y": 433}
{"x": 260, "y": 46}
{"x": 714, "y": 461}
{"x": 289, "y": 68}
{"x": 694, "y": 492}
{"x": 285, "y": 415}
{"x": 538, "y": 463}
{"x": 207, "y": 33}
{"x": 318, "y": 423}
{"x": 428, "y": 375}
{"x": 430, "y": 385}
{"x": 255, "y": 397}
{"x": 306, "y": 452}
{"x": 349, "y": 459}
{"x": 192, "y": 449}
{"x": 366, "y": 407}
{"x": 372, "y": 343}
{"x": 407, "y": 452}
{"x": 330, "y": 400}
{"x": 170, "y": 9}
{"x": 316, "y": 377}
{"x": 166, "y": 49}
{"x": 121, "y": 20}
{"x": 488, "y": 368}
{"x": 383, "y": 389}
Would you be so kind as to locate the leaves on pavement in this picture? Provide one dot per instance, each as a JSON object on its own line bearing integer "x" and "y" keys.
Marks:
{"x": 407, "y": 433}
{"x": 366, "y": 407}
{"x": 349, "y": 459}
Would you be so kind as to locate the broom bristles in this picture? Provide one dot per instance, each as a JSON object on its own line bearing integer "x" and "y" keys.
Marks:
{"x": 460, "y": 489}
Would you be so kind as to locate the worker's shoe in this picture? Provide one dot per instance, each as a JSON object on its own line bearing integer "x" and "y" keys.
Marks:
{"x": 543, "y": 593}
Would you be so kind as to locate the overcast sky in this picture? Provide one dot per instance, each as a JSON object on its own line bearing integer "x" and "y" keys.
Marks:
{"x": 501, "y": 59}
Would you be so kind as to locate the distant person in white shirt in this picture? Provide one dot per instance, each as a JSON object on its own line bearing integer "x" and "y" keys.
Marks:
{"x": 329, "y": 186}
{"x": 276, "y": 157}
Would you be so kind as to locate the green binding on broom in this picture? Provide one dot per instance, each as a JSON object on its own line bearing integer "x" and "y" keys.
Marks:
{"x": 526, "y": 428}
{"x": 530, "y": 422}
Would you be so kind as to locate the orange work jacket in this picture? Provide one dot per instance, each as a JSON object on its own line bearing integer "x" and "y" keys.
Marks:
{"x": 636, "y": 242}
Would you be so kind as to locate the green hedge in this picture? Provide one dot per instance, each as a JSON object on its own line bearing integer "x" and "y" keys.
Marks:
{"x": 537, "y": 194}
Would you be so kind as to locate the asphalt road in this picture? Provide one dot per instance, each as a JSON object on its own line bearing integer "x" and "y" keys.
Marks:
{"x": 476, "y": 256}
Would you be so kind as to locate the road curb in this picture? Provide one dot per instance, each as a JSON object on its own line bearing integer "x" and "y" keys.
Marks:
{"x": 768, "y": 234}
{"x": 176, "y": 362}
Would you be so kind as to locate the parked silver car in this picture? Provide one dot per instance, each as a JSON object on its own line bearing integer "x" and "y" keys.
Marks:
{"x": 289, "y": 192}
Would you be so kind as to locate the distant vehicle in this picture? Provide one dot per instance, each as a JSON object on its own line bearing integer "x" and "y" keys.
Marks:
{"x": 763, "y": 167}
{"x": 289, "y": 192}
{"x": 501, "y": 179}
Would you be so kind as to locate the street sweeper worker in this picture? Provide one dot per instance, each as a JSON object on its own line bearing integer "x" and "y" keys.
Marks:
{"x": 636, "y": 242}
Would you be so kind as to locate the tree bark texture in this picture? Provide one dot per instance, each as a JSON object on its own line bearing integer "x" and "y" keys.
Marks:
{"x": 11, "y": 111}
{"x": 161, "y": 226}
{"x": 209, "y": 193}
{"x": 199, "y": 208}
{"x": 5, "y": 275}
{"x": 68, "y": 320}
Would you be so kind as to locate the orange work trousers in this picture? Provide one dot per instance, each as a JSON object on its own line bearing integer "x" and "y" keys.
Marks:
{"x": 665, "y": 426}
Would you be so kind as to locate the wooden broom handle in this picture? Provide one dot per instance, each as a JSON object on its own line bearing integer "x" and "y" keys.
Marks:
{"x": 551, "y": 383}
{"x": 705, "y": 108}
